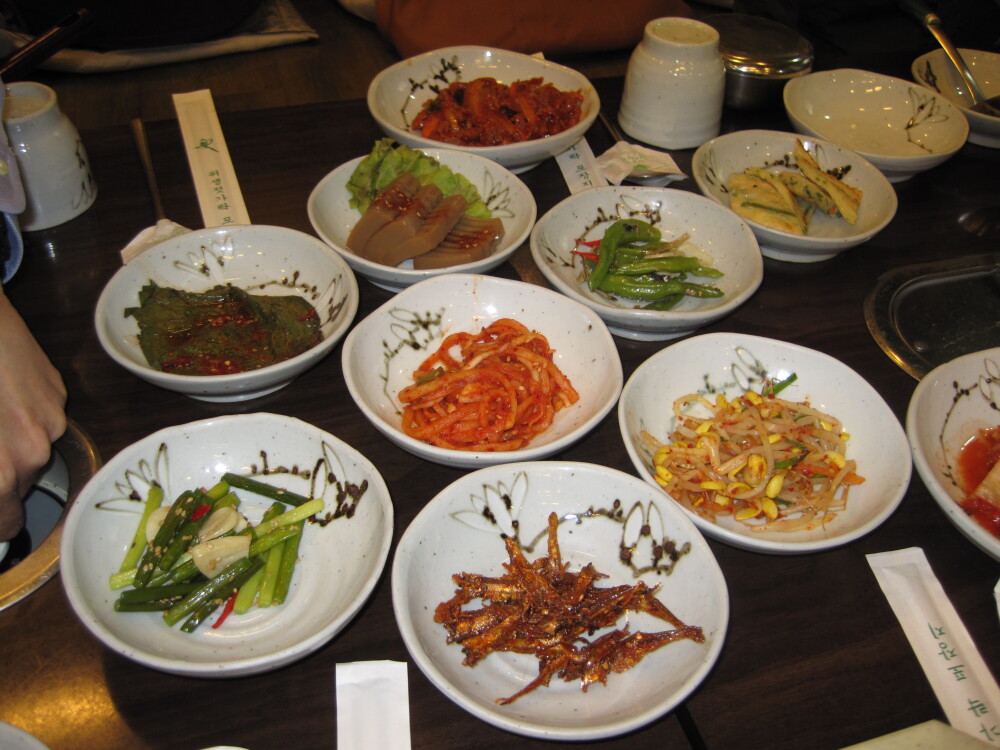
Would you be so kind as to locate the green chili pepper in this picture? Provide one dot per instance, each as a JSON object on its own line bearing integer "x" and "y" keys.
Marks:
{"x": 667, "y": 303}
{"x": 701, "y": 290}
{"x": 640, "y": 289}
{"x": 668, "y": 264}
{"x": 620, "y": 233}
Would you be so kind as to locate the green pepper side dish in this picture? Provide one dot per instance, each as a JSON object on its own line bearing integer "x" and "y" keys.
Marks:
{"x": 630, "y": 262}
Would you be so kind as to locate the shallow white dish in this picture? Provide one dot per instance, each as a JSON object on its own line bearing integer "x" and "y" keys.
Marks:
{"x": 339, "y": 564}
{"x": 899, "y": 126}
{"x": 382, "y": 351}
{"x": 716, "y": 160}
{"x": 729, "y": 363}
{"x": 396, "y": 95}
{"x": 717, "y": 234}
{"x": 935, "y": 71}
{"x": 258, "y": 258}
{"x": 507, "y": 197}
{"x": 460, "y": 531}
{"x": 949, "y": 405}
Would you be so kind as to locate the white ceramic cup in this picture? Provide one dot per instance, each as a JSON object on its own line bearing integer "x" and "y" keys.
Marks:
{"x": 55, "y": 171}
{"x": 674, "y": 85}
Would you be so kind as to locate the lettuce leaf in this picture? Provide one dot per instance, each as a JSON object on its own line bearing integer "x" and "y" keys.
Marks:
{"x": 388, "y": 160}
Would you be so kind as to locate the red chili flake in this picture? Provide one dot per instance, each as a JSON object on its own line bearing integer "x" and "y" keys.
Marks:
{"x": 230, "y": 603}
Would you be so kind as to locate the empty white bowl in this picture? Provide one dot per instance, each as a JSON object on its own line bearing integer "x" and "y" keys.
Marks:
{"x": 729, "y": 363}
{"x": 935, "y": 71}
{"x": 382, "y": 351}
{"x": 901, "y": 127}
{"x": 339, "y": 563}
{"x": 948, "y": 407}
{"x": 507, "y": 197}
{"x": 717, "y": 234}
{"x": 396, "y": 95}
{"x": 257, "y": 258}
{"x": 602, "y": 513}
{"x": 827, "y": 236}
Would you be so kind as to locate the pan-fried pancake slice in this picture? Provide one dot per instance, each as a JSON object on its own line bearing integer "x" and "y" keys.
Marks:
{"x": 847, "y": 198}
{"x": 809, "y": 191}
{"x": 765, "y": 201}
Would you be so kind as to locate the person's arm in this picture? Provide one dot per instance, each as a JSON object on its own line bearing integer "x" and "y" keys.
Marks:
{"x": 32, "y": 416}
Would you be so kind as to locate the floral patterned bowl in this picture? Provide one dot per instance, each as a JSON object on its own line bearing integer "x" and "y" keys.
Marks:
{"x": 382, "y": 351}
{"x": 730, "y": 363}
{"x": 258, "y": 258}
{"x": 507, "y": 197}
{"x": 935, "y": 71}
{"x": 899, "y": 126}
{"x": 827, "y": 236}
{"x": 396, "y": 95}
{"x": 628, "y": 530}
{"x": 717, "y": 235}
{"x": 340, "y": 560}
{"x": 949, "y": 406}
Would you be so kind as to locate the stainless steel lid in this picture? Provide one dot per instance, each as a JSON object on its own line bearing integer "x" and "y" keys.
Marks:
{"x": 757, "y": 46}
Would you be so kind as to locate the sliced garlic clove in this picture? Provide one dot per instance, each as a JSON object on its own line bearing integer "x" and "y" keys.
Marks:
{"x": 155, "y": 521}
{"x": 214, "y": 556}
{"x": 219, "y": 521}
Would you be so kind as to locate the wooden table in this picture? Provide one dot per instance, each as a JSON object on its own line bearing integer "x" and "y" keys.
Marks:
{"x": 813, "y": 658}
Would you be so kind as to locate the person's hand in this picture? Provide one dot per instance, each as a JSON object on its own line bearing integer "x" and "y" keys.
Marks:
{"x": 32, "y": 397}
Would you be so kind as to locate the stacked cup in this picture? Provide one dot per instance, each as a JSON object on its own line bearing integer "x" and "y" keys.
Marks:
{"x": 55, "y": 171}
{"x": 674, "y": 85}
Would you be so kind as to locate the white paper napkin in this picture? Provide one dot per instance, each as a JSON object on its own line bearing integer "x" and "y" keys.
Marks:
{"x": 963, "y": 684}
{"x": 582, "y": 170}
{"x": 373, "y": 706}
{"x": 163, "y": 229}
{"x": 618, "y": 162}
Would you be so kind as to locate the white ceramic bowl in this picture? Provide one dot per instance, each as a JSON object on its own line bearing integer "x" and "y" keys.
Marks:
{"x": 949, "y": 405}
{"x": 396, "y": 95}
{"x": 382, "y": 351}
{"x": 716, "y": 160}
{"x": 508, "y": 198}
{"x": 262, "y": 259}
{"x": 460, "y": 531}
{"x": 935, "y": 71}
{"x": 718, "y": 235}
{"x": 899, "y": 126}
{"x": 339, "y": 563}
{"x": 729, "y": 363}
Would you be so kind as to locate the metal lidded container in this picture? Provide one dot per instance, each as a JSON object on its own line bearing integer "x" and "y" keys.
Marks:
{"x": 760, "y": 55}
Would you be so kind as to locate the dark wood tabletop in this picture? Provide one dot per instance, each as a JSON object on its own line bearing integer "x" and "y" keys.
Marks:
{"x": 813, "y": 658}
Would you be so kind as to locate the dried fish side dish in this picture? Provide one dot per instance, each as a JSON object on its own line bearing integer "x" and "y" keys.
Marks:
{"x": 543, "y": 608}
